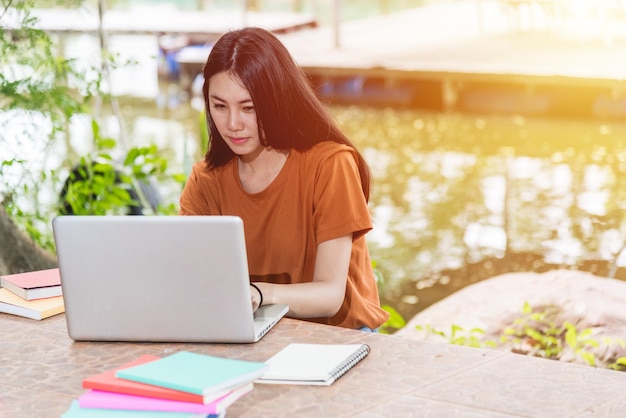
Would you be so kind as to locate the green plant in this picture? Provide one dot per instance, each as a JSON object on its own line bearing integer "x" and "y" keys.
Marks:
{"x": 459, "y": 336}
{"x": 395, "y": 321}
{"x": 619, "y": 364}
{"x": 42, "y": 96}
{"x": 538, "y": 333}
{"x": 99, "y": 186}
{"x": 535, "y": 333}
{"x": 471, "y": 338}
{"x": 581, "y": 342}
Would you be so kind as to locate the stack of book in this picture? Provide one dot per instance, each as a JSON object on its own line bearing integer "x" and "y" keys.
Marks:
{"x": 34, "y": 294}
{"x": 183, "y": 384}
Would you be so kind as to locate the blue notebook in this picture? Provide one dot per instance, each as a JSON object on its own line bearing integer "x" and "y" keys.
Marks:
{"x": 195, "y": 373}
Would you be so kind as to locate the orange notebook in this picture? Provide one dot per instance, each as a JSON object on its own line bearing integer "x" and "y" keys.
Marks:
{"x": 108, "y": 382}
{"x": 35, "y": 309}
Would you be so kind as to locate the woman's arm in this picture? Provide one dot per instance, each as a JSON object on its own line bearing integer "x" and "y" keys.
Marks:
{"x": 324, "y": 295}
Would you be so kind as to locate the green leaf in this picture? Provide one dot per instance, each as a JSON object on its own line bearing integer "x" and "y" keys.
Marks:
{"x": 395, "y": 321}
{"x": 106, "y": 143}
{"x": 132, "y": 154}
{"x": 571, "y": 337}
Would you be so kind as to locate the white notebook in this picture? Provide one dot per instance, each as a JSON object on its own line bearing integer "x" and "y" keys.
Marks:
{"x": 312, "y": 364}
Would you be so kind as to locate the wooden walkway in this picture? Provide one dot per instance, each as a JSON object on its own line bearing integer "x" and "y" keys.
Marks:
{"x": 471, "y": 56}
{"x": 466, "y": 37}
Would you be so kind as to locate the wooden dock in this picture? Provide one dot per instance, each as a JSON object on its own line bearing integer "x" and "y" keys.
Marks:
{"x": 469, "y": 55}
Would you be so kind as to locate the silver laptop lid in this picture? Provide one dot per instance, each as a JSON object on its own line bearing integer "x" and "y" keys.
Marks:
{"x": 155, "y": 278}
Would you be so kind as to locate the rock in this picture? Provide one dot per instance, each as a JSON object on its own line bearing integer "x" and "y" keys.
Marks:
{"x": 18, "y": 252}
{"x": 583, "y": 299}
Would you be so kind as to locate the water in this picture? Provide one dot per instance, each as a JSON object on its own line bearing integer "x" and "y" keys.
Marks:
{"x": 459, "y": 198}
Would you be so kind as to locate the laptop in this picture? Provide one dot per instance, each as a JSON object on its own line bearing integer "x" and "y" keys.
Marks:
{"x": 158, "y": 279}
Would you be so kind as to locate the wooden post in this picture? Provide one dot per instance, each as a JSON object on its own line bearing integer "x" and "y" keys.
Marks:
{"x": 336, "y": 19}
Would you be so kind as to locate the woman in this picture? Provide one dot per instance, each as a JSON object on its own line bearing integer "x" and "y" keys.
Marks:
{"x": 277, "y": 160}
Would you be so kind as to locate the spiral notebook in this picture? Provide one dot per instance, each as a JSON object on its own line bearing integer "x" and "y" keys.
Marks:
{"x": 312, "y": 364}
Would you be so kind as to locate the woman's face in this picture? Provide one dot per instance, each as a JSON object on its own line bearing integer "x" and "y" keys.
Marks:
{"x": 232, "y": 111}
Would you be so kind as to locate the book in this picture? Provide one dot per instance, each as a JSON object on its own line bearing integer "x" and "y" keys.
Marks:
{"x": 35, "y": 309}
{"x": 75, "y": 411}
{"x": 312, "y": 364}
{"x": 111, "y": 400}
{"x": 34, "y": 284}
{"x": 109, "y": 382}
{"x": 194, "y": 373}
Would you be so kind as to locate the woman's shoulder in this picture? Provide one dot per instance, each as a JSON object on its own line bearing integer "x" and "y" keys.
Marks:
{"x": 201, "y": 169}
{"x": 322, "y": 156}
{"x": 209, "y": 178}
{"x": 326, "y": 149}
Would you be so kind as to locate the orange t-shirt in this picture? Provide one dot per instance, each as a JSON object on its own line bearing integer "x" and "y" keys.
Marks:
{"x": 316, "y": 197}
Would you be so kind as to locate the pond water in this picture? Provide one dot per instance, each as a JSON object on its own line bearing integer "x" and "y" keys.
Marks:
{"x": 456, "y": 198}
{"x": 460, "y": 198}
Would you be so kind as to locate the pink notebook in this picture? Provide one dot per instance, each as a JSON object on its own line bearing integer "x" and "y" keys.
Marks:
{"x": 112, "y": 400}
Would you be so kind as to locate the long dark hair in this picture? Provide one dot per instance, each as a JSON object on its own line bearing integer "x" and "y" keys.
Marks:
{"x": 289, "y": 114}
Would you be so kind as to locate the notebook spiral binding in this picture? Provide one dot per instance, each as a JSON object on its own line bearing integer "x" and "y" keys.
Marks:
{"x": 350, "y": 362}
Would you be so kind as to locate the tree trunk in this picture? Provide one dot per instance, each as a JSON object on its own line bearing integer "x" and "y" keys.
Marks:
{"x": 18, "y": 253}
